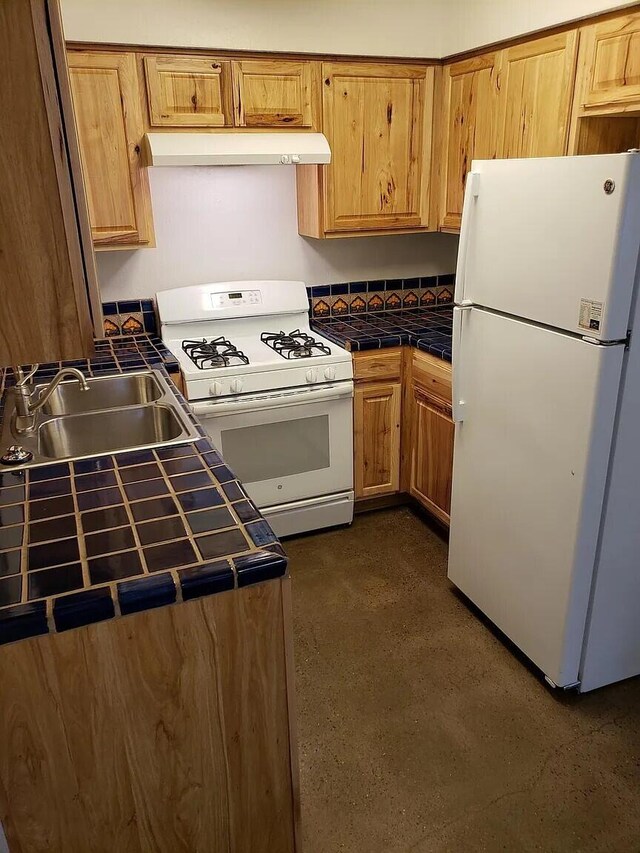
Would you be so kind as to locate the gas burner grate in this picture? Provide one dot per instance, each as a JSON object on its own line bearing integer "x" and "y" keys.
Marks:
{"x": 217, "y": 352}
{"x": 294, "y": 344}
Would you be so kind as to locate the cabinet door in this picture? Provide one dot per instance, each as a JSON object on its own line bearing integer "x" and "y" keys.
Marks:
{"x": 272, "y": 93}
{"x": 471, "y": 90}
{"x": 537, "y": 87}
{"x": 612, "y": 62}
{"x": 106, "y": 102}
{"x": 432, "y": 457}
{"x": 377, "y": 438}
{"x": 374, "y": 117}
{"x": 185, "y": 91}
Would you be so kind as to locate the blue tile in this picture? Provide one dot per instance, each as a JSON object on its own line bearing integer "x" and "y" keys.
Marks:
{"x": 12, "y": 495}
{"x": 410, "y": 283}
{"x": 261, "y": 533}
{"x": 149, "y": 322}
{"x": 49, "y": 472}
{"x": 53, "y": 553}
{"x": 204, "y": 445}
{"x": 129, "y": 306}
{"x": 447, "y": 280}
{"x": 339, "y": 289}
{"x": 221, "y": 544}
{"x": 12, "y": 478}
{"x": 175, "y": 452}
{"x": 233, "y": 491}
{"x": 222, "y": 474}
{"x": 320, "y": 290}
{"x": 376, "y": 286}
{"x": 96, "y": 480}
{"x": 134, "y": 457}
{"x": 22, "y": 621}
{"x": 147, "y": 304}
{"x": 109, "y": 309}
{"x": 50, "y": 488}
{"x": 200, "y": 499}
{"x": 261, "y": 566}
{"x": 206, "y": 580}
{"x": 246, "y": 511}
{"x": 11, "y": 537}
{"x": 393, "y": 284}
{"x": 99, "y": 498}
{"x": 146, "y": 593}
{"x": 429, "y": 281}
{"x": 82, "y": 608}
{"x": 358, "y": 287}
{"x": 10, "y": 590}
{"x": 54, "y": 581}
{"x": 169, "y": 555}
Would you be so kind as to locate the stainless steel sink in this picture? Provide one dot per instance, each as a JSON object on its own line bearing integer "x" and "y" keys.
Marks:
{"x": 119, "y": 412}
{"x": 104, "y": 432}
{"x": 112, "y": 392}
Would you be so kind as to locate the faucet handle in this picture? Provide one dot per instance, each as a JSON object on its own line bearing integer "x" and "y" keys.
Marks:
{"x": 19, "y": 372}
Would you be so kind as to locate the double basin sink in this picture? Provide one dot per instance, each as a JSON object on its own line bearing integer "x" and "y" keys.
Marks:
{"x": 120, "y": 412}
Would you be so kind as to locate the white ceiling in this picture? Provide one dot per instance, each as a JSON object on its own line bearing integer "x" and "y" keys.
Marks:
{"x": 420, "y": 28}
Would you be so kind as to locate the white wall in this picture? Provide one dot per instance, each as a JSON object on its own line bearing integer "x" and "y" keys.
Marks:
{"x": 229, "y": 223}
{"x": 472, "y": 23}
{"x": 421, "y": 28}
{"x": 379, "y": 27}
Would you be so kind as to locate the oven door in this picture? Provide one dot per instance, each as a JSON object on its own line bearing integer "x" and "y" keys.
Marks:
{"x": 288, "y": 445}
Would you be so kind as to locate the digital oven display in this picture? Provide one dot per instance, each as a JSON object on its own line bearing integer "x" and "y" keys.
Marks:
{"x": 235, "y": 296}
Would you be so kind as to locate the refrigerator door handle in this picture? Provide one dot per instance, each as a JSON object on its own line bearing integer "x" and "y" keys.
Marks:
{"x": 457, "y": 402}
{"x": 471, "y": 192}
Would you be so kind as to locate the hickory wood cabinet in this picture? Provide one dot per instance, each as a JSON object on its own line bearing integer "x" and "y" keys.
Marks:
{"x": 376, "y": 419}
{"x": 403, "y": 431}
{"x": 47, "y": 272}
{"x": 510, "y": 103}
{"x": 378, "y": 119}
{"x": 188, "y": 91}
{"x": 106, "y": 99}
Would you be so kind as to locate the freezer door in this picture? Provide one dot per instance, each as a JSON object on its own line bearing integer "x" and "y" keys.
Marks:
{"x": 554, "y": 240}
{"x": 535, "y": 411}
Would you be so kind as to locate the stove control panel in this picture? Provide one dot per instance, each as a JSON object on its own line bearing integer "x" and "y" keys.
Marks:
{"x": 234, "y": 298}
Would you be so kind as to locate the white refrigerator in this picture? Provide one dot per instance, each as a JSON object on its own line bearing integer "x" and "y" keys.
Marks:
{"x": 545, "y": 514}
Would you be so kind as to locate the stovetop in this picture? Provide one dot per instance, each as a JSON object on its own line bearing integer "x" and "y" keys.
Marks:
{"x": 295, "y": 344}
{"x": 215, "y": 352}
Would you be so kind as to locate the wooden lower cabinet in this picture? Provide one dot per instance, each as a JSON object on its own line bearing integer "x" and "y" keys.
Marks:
{"x": 377, "y": 438}
{"x": 432, "y": 453}
{"x": 403, "y": 427}
{"x": 166, "y": 730}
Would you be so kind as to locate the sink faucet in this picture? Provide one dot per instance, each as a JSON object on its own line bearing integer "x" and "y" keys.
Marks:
{"x": 27, "y": 406}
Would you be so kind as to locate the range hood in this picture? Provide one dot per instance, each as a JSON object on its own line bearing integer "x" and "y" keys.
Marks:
{"x": 235, "y": 149}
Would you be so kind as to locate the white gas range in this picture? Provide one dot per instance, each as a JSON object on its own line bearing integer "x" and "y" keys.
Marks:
{"x": 275, "y": 397}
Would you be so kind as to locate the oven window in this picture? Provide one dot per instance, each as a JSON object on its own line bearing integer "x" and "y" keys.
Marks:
{"x": 275, "y": 450}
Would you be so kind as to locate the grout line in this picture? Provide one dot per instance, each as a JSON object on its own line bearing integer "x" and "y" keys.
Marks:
{"x": 86, "y": 580}
{"x": 136, "y": 538}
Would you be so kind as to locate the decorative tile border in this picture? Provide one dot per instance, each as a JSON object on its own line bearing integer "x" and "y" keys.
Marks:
{"x": 129, "y": 317}
{"x": 361, "y": 297}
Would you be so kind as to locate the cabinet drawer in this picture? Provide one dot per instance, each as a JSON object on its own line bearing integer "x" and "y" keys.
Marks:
{"x": 431, "y": 374}
{"x": 379, "y": 364}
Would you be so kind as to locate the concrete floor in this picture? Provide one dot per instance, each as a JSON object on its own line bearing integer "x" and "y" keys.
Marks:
{"x": 420, "y": 730}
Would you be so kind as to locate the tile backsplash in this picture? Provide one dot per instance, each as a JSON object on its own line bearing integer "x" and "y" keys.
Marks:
{"x": 138, "y": 316}
{"x": 359, "y": 297}
{"x": 129, "y": 317}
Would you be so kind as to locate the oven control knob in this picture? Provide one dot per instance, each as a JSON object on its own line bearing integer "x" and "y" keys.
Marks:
{"x": 330, "y": 373}
{"x": 215, "y": 389}
{"x": 312, "y": 375}
{"x": 236, "y": 386}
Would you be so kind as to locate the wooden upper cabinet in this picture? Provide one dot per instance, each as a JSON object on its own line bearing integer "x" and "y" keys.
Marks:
{"x": 188, "y": 91}
{"x": 610, "y": 62}
{"x": 274, "y": 93}
{"x": 45, "y": 268}
{"x": 377, "y": 118}
{"x": 110, "y": 127}
{"x": 471, "y": 90}
{"x": 536, "y": 93}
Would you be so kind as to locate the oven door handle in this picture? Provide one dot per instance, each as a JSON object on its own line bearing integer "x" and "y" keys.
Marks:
{"x": 264, "y": 402}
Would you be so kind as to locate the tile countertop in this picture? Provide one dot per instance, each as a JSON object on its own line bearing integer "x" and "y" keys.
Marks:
{"x": 90, "y": 540}
{"x": 427, "y": 329}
